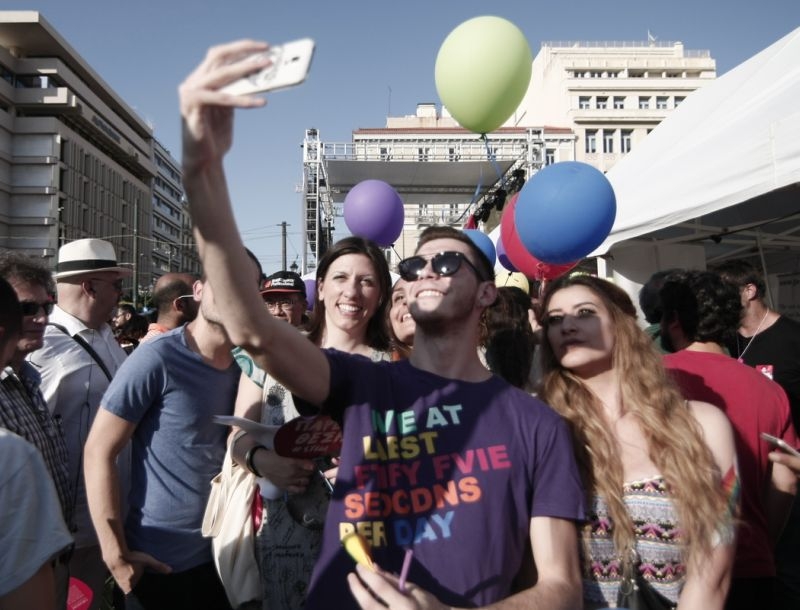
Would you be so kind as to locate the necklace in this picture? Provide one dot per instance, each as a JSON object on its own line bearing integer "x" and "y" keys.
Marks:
{"x": 758, "y": 328}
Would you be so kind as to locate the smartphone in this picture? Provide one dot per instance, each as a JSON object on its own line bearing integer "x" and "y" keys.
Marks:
{"x": 291, "y": 62}
{"x": 781, "y": 444}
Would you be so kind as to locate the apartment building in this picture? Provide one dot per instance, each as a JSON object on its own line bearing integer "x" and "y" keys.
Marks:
{"x": 75, "y": 160}
{"x": 173, "y": 248}
{"x": 611, "y": 94}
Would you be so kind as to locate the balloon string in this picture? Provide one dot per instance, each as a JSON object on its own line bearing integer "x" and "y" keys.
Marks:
{"x": 475, "y": 196}
{"x": 491, "y": 157}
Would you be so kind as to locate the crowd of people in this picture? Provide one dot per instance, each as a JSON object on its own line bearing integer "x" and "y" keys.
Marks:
{"x": 500, "y": 449}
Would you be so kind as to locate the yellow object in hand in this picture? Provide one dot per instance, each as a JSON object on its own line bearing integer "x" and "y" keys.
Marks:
{"x": 358, "y": 548}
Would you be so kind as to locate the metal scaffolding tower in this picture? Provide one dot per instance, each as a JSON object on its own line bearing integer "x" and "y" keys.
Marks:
{"x": 318, "y": 209}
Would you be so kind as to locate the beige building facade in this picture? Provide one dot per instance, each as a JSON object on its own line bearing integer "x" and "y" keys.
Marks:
{"x": 611, "y": 94}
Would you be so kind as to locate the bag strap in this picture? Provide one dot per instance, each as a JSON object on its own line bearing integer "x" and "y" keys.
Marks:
{"x": 89, "y": 349}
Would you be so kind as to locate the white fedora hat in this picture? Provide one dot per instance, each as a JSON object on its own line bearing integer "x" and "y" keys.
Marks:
{"x": 87, "y": 256}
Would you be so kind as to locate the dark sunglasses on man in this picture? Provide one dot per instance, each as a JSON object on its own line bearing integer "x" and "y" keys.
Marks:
{"x": 443, "y": 263}
{"x": 31, "y": 308}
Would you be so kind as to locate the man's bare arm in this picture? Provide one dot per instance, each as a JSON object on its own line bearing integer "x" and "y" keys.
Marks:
{"x": 207, "y": 136}
{"x": 107, "y": 437}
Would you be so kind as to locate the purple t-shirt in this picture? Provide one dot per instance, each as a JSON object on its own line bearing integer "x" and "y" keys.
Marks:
{"x": 450, "y": 469}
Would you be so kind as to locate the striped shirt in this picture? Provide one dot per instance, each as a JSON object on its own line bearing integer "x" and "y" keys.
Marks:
{"x": 24, "y": 412}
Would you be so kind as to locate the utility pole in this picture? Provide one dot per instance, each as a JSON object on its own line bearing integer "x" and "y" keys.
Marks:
{"x": 136, "y": 253}
{"x": 283, "y": 245}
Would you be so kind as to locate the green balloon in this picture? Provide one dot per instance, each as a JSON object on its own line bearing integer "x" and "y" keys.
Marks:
{"x": 483, "y": 70}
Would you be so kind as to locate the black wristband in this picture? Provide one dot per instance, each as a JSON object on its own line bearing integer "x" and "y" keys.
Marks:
{"x": 248, "y": 459}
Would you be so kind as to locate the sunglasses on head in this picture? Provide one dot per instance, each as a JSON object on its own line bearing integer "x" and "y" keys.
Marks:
{"x": 177, "y": 300}
{"x": 443, "y": 263}
{"x": 31, "y": 308}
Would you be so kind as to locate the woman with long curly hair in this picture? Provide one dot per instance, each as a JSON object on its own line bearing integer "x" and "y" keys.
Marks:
{"x": 659, "y": 472}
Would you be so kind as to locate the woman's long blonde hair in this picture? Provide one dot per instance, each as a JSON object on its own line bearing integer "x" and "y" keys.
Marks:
{"x": 674, "y": 438}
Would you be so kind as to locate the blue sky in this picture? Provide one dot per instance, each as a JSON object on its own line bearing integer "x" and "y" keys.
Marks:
{"x": 143, "y": 49}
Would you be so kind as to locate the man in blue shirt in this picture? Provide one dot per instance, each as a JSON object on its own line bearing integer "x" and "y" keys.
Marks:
{"x": 163, "y": 400}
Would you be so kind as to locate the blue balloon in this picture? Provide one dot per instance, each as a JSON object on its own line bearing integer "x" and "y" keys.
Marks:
{"x": 484, "y": 244}
{"x": 564, "y": 212}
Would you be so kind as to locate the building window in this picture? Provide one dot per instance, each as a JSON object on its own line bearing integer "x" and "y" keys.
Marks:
{"x": 608, "y": 140}
{"x": 644, "y": 103}
{"x": 583, "y": 102}
{"x": 384, "y": 153}
{"x": 549, "y": 156}
{"x": 602, "y": 103}
{"x": 627, "y": 135}
{"x": 661, "y": 103}
{"x": 619, "y": 102}
{"x": 679, "y": 100}
{"x": 591, "y": 141}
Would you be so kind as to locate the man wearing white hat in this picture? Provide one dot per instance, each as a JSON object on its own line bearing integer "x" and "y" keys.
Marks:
{"x": 79, "y": 357}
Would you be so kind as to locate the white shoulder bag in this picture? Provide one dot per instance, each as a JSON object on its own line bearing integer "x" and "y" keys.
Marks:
{"x": 228, "y": 522}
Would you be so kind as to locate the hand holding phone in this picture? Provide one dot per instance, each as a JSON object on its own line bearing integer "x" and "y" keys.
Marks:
{"x": 290, "y": 63}
{"x": 780, "y": 444}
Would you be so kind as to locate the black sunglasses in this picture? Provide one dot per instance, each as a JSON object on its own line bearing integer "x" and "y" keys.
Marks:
{"x": 31, "y": 308}
{"x": 443, "y": 263}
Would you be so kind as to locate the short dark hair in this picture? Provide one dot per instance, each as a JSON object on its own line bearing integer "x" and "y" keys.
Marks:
{"x": 707, "y": 308}
{"x": 10, "y": 313}
{"x": 19, "y": 266}
{"x": 649, "y": 301}
{"x": 509, "y": 339}
{"x": 127, "y": 308}
{"x": 446, "y": 232}
{"x": 740, "y": 273}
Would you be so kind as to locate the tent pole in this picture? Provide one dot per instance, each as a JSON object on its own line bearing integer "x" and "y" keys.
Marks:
{"x": 602, "y": 267}
{"x": 770, "y": 302}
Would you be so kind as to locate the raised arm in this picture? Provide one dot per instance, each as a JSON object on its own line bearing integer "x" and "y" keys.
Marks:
{"x": 207, "y": 116}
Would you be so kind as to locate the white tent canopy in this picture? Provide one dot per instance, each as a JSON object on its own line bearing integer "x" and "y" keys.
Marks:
{"x": 721, "y": 171}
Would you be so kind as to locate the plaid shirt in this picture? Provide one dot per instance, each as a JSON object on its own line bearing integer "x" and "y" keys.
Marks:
{"x": 24, "y": 412}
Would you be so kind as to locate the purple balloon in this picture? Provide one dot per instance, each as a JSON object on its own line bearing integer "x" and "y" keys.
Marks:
{"x": 374, "y": 210}
{"x": 502, "y": 256}
{"x": 311, "y": 292}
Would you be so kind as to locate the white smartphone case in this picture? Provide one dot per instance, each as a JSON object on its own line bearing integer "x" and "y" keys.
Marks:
{"x": 290, "y": 65}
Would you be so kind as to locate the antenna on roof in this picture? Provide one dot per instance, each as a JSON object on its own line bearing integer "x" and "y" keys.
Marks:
{"x": 650, "y": 38}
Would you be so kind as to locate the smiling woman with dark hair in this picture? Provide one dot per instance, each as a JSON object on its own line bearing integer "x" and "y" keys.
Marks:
{"x": 350, "y": 316}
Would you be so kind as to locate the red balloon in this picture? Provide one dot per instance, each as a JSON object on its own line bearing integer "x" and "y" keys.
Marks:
{"x": 524, "y": 261}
